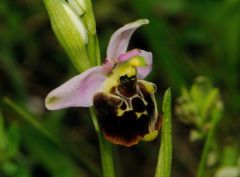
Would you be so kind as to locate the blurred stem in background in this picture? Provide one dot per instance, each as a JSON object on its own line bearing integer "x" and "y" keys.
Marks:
{"x": 202, "y": 107}
{"x": 34, "y": 122}
{"x": 216, "y": 115}
{"x": 74, "y": 25}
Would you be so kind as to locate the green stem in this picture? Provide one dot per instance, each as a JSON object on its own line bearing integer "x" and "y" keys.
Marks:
{"x": 216, "y": 115}
{"x": 92, "y": 46}
{"x": 94, "y": 55}
{"x": 105, "y": 149}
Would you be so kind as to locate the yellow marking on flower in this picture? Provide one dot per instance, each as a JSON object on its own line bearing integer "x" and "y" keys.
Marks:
{"x": 137, "y": 61}
{"x": 150, "y": 136}
{"x": 126, "y": 68}
{"x": 120, "y": 112}
{"x": 139, "y": 114}
{"x": 151, "y": 88}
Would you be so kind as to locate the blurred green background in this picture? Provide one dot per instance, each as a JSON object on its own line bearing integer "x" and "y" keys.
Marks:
{"x": 187, "y": 38}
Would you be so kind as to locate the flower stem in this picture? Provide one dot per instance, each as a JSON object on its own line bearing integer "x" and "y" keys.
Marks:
{"x": 105, "y": 149}
{"x": 216, "y": 115}
{"x": 94, "y": 56}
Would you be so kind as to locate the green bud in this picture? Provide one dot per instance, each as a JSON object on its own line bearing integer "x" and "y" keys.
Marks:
{"x": 93, "y": 46}
{"x": 70, "y": 31}
{"x": 79, "y": 6}
{"x": 83, "y": 8}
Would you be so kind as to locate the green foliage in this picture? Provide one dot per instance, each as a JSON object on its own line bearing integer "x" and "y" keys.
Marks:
{"x": 187, "y": 38}
{"x": 216, "y": 115}
{"x": 197, "y": 105}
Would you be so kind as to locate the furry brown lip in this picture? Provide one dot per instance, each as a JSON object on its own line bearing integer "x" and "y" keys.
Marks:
{"x": 127, "y": 114}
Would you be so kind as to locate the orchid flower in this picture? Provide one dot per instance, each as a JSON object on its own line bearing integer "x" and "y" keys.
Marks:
{"x": 125, "y": 104}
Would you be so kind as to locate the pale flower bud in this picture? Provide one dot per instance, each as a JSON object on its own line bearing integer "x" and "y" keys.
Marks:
{"x": 79, "y": 6}
{"x": 70, "y": 30}
{"x": 77, "y": 22}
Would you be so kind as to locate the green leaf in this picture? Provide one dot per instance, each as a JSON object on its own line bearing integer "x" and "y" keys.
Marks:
{"x": 14, "y": 140}
{"x": 3, "y": 141}
{"x": 165, "y": 153}
{"x": 47, "y": 153}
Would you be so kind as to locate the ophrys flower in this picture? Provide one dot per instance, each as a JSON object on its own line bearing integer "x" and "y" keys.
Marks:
{"x": 124, "y": 102}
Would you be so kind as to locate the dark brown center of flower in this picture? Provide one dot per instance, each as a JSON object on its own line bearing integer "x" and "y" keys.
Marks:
{"x": 127, "y": 85}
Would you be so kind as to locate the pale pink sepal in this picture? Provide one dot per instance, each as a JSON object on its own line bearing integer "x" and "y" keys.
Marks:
{"x": 128, "y": 55}
{"x": 78, "y": 91}
{"x": 143, "y": 71}
{"x": 120, "y": 39}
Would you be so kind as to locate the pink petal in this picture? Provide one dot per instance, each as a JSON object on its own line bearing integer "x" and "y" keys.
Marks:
{"x": 108, "y": 65}
{"x": 143, "y": 71}
{"x": 119, "y": 41}
{"x": 78, "y": 91}
{"x": 128, "y": 55}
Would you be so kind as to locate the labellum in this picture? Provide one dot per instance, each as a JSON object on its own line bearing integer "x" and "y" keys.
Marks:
{"x": 127, "y": 108}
